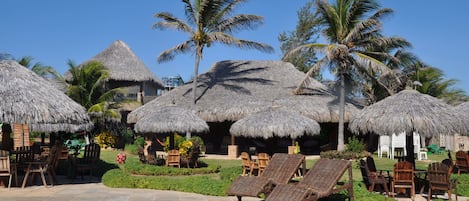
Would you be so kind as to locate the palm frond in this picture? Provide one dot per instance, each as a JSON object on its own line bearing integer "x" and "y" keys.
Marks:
{"x": 307, "y": 79}
{"x": 169, "y": 54}
{"x": 240, "y": 22}
{"x": 171, "y": 22}
{"x": 232, "y": 41}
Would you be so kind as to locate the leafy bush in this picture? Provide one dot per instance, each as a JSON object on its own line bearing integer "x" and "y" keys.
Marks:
{"x": 106, "y": 139}
{"x": 140, "y": 141}
{"x": 355, "y": 145}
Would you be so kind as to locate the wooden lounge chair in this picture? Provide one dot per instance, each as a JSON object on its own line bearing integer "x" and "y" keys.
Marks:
{"x": 372, "y": 178}
{"x": 403, "y": 178}
{"x": 462, "y": 162}
{"x": 438, "y": 176}
{"x": 281, "y": 169}
{"x": 319, "y": 182}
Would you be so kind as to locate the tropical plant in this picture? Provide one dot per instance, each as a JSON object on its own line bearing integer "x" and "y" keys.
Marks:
{"x": 38, "y": 68}
{"x": 351, "y": 33}
{"x": 208, "y": 22}
{"x": 86, "y": 86}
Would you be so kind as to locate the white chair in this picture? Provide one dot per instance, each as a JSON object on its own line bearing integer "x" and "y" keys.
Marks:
{"x": 398, "y": 142}
{"x": 384, "y": 143}
{"x": 417, "y": 145}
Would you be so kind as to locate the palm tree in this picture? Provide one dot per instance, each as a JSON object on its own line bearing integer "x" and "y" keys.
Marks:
{"x": 87, "y": 87}
{"x": 352, "y": 34}
{"x": 211, "y": 22}
{"x": 38, "y": 68}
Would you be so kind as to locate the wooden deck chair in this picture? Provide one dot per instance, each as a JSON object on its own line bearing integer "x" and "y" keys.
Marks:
{"x": 319, "y": 182}
{"x": 90, "y": 159}
{"x": 372, "y": 178}
{"x": 5, "y": 168}
{"x": 281, "y": 169}
{"x": 173, "y": 158}
{"x": 403, "y": 178}
{"x": 462, "y": 162}
{"x": 438, "y": 176}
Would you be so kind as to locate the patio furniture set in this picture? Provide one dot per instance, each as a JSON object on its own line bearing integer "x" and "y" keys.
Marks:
{"x": 405, "y": 178}
{"x": 23, "y": 159}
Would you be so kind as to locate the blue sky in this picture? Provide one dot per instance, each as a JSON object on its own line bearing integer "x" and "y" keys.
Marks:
{"x": 54, "y": 31}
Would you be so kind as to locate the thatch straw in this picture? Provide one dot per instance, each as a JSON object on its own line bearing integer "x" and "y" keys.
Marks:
{"x": 230, "y": 90}
{"x": 27, "y": 98}
{"x": 123, "y": 64}
{"x": 171, "y": 119}
{"x": 409, "y": 111}
{"x": 463, "y": 108}
{"x": 275, "y": 122}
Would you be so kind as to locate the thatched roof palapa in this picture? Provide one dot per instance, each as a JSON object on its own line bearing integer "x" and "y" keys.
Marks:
{"x": 463, "y": 108}
{"x": 123, "y": 64}
{"x": 171, "y": 119}
{"x": 275, "y": 122}
{"x": 27, "y": 98}
{"x": 409, "y": 111}
{"x": 231, "y": 90}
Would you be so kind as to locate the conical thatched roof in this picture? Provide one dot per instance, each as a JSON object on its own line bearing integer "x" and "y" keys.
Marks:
{"x": 30, "y": 99}
{"x": 230, "y": 90}
{"x": 171, "y": 119}
{"x": 409, "y": 111}
{"x": 123, "y": 64}
{"x": 275, "y": 122}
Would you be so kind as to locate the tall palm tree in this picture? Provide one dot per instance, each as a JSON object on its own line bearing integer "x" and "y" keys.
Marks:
{"x": 351, "y": 33}
{"x": 208, "y": 22}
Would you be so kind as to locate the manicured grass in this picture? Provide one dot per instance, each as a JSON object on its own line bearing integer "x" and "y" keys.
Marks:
{"x": 218, "y": 175}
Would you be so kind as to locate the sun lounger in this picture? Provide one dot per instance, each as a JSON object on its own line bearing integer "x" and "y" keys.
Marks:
{"x": 281, "y": 169}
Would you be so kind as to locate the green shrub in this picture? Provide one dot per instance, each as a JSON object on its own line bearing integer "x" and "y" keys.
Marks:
{"x": 131, "y": 148}
{"x": 140, "y": 141}
{"x": 333, "y": 154}
{"x": 355, "y": 145}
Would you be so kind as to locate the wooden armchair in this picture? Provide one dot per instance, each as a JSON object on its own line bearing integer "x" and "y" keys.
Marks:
{"x": 403, "y": 178}
{"x": 321, "y": 181}
{"x": 249, "y": 166}
{"x": 90, "y": 159}
{"x": 173, "y": 158}
{"x": 438, "y": 176}
{"x": 281, "y": 169}
{"x": 5, "y": 168}
{"x": 262, "y": 162}
{"x": 462, "y": 162}
{"x": 372, "y": 178}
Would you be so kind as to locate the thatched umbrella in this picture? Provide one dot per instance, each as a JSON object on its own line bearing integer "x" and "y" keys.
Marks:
{"x": 231, "y": 90}
{"x": 27, "y": 98}
{"x": 275, "y": 122}
{"x": 409, "y": 111}
{"x": 168, "y": 119}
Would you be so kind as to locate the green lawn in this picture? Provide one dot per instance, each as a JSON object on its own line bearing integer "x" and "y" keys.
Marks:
{"x": 218, "y": 174}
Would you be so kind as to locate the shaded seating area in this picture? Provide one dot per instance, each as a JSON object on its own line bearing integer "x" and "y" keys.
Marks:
{"x": 438, "y": 176}
{"x": 281, "y": 169}
{"x": 89, "y": 161}
{"x": 322, "y": 180}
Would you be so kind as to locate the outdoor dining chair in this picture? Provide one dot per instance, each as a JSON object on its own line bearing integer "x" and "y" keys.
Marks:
{"x": 174, "y": 158}
{"x": 262, "y": 162}
{"x": 43, "y": 167}
{"x": 249, "y": 166}
{"x": 373, "y": 178}
{"x": 462, "y": 162}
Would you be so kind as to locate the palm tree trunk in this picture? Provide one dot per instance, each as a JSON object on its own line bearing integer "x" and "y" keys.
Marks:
{"x": 198, "y": 56}
{"x": 340, "y": 137}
